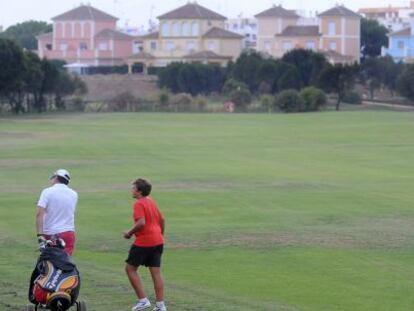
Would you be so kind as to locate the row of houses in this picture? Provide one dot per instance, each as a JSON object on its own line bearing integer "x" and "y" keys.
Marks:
{"x": 87, "y": 36}
{"x": 399, "y": 20}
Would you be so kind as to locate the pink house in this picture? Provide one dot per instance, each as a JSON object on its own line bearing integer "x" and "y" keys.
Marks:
{"x": 86, "y": 35}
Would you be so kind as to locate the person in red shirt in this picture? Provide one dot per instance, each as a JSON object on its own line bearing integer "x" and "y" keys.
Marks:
{"x": 147, "y": 249}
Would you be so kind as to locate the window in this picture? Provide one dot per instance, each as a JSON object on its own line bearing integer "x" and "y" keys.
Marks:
{"x": 63, "y": 46}
{"x": 165, "y": 29}
{"x": 48, "y": 47}
{"x": 137, "y": 46}
{"x": 186, "y": 29}
{"x": 190, "y": 46}
{"x": 401, "y": 45}
{"x": 310, "y": 45}
{"x": 83, "y": 46}
{"x": 194, "y": 29}
{"x": 267, "y": 45}
{"x": 332, "y": 45}
{"x": 211, "y": 45}
{"x": 103, "y": 46}
{"x": 153, "y": 45}
{"x": 331, "y": 28}
{"x": 176, "y": 29}
{"x": 170, "y": 46}
{"x": 287, "y": 45}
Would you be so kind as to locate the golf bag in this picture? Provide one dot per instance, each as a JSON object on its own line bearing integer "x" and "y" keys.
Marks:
{"x": 55, "y": 281}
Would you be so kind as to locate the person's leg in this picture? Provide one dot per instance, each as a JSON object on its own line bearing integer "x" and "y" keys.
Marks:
{"x": 135, "y": 281}
{"x": 158, "y": 282}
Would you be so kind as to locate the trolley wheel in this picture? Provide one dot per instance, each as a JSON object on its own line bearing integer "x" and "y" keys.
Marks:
{"x": 81, "y": 306}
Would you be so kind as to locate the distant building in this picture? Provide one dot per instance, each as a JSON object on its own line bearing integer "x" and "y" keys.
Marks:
{"x": 336, "y": 33}
{"x": 246, "y": 27}
{"x": 401, "y": 43}
{"x": 393, "y": 17}
{"x": 86, "y": 36}
{"x": 190, "y": 33}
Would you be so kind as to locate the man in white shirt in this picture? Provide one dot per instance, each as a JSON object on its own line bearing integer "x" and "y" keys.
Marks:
{"x": 56, "y": 210}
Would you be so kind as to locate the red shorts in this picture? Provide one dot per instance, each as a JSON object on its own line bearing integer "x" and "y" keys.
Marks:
{"x": 69, "y": 238}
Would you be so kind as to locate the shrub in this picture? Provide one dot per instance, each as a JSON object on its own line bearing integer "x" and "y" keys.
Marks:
{"x": 181, "y": 101}
{"x": 78, "y": 104}
{"x": 290, "y": 101}
{"x": 352, "y": 98}
{"x": 265, "y": 88}
{"x": 289, "y": 79}
{"x": 233, "y": 85}
{"x": 163, "y": 98}
{"x": 405, "y": 82}
{"x": 314, "y": 99}
{"x": 241, "y": 98}
{"x": 267, "y": 102}
{"x": 123, "y": 102}
{"x": 200, "y": 103}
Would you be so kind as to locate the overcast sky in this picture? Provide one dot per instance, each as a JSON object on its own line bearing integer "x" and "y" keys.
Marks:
{"x": 138, "y": 12}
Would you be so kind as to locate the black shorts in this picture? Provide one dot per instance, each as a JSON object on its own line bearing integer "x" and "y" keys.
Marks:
{"x": 145, "y": 256}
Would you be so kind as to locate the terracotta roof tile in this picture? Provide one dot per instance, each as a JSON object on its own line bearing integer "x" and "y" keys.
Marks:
{"x": 142, "y": 55}
{"x": 206, "y": 55}
{"x": 192, "y": 11}
{"x": 339, "y": 11}
{"x": 113, "y": 34}
{"x": 300, "y": 31}
{"x": 153, "y": 35}
{"x": 216, "y": 32}
{"x": 278, "y": 11}
{"x": 336, "y": 57}
{"x": 47, "y": 35}
{"x": 84, "y": 12}
{"x": 401, "y": 33}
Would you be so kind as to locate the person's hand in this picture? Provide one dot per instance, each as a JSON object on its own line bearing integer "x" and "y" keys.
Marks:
{"x": 41, "y": 240}
{"x": 127, "y": 235}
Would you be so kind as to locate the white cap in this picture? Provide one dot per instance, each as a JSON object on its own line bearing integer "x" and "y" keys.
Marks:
{"x": 62, "y": 173}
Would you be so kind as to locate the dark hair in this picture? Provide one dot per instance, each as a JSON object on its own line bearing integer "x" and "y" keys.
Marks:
{"x": 62, "y": 180}
{"x": 142, "y": 186}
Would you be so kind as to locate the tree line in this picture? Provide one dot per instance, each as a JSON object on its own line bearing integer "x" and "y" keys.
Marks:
{"x": 28, "y": 83}
{"x": 256, "y": 74}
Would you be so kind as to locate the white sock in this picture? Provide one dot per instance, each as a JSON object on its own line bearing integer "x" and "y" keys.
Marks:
{"x": 159, "y": 303}
{"x": 143, "y": 299}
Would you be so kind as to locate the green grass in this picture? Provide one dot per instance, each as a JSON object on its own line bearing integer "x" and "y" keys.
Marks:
{"x": 264, "y": 212}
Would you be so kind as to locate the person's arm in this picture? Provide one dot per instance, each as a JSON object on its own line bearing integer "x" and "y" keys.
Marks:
{"x": 39, "y": 220}
{"x": 162, "y": 224}
{"x": 137, "y": 227}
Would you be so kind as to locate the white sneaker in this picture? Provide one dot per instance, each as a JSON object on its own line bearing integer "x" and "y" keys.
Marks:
{"x": 141, "y": 305}
{"x": 160, "y": 308}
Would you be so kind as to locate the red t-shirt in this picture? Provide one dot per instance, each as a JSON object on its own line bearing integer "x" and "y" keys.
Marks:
{"x": 150, "y": 234}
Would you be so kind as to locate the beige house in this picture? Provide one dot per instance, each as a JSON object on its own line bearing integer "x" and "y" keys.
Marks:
{"x": 190, "y": 33}
{"x": 271, "y": 23}
{"x": 337, "y": 34}
{"x": 341, "y": 32}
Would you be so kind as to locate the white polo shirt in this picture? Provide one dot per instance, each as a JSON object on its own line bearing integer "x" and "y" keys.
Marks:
{"x": 59, "y": 202}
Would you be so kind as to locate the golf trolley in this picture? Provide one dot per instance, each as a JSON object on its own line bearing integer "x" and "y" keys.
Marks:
{"x": 55, "y": 281}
